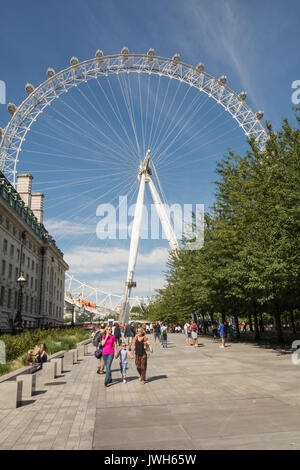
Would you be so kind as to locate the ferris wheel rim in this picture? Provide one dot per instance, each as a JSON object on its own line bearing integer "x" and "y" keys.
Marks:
{"x": 16, "y": 130}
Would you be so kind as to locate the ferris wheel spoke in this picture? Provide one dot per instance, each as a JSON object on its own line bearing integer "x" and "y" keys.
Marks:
{"x": 141, "y": 115}
{"x": 125, "y": 94}
{"x": 162, "y": 109}
{"x": 131, "y": 106}
{"x": 171, "y": 122}
{"x": 111, "y": 144}
{"x": 194, "y": 135}
{"x": 154, "y": 111}
{"x": 131, "y": 186}
{"x": 79, "y": 194}
{"x": 88, "y": 136}
{"x": 123, "y": 144}
{"x": 85, "y": 205}
{"x": 116, "y": 111}
{"x": 162, "y": 127}
{"x": 190, "y": 112}
{"x": 81, "y": 179}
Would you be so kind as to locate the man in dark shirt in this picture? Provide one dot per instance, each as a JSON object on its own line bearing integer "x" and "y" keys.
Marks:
{"x": 156, "y": 332}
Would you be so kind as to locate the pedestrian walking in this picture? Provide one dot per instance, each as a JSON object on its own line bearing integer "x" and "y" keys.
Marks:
{"x": 117, "y": 333}
{"x": 187, "y": 332}
{"x": 194, "y": 333}
{"x": 109, "y": 344}
{"x": 164, "y": 336}
{"x": 123, "y": 354}
{"x": 221, "y": 329}
{"x": 214, "y": 330}
{"x": 156, "y": 332}
{"x": 139, "y": 347}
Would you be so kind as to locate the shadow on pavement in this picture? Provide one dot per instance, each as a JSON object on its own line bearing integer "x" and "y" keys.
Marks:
{"x": 27, "y": 402}
{"x": 156, "y": 377}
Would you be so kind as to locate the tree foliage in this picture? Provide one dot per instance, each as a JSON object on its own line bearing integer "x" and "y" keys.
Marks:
{"x": 250, "y": 261}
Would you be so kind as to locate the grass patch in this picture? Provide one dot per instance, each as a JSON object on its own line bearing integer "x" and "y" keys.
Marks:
{"x": 56, "y": 340}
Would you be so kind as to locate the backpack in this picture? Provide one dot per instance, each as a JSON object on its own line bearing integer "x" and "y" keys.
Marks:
{"x": 96, "y": 339}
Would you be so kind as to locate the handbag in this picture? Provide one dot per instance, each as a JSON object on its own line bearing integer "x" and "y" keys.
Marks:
{"x": 98, "y": 352}
{"x": 148, "y": 348}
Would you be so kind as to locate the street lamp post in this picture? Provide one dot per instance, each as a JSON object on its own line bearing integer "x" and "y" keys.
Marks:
{"x": 18, "y": 323}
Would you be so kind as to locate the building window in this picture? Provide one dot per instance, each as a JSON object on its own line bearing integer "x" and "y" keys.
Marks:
{"x": 18, "y": 254}
{"x": 28, "y": 262}
{"x": 9, "y": 298}
{"x": 16, "y": 299}
{"x": 12, "y": 251}
{"x": 26, "y": 304}
{"x": 4, "y": 246}
{"x": 32, "y": 265}
{"x": 17, "y": 273}
{"x": 3, "y": 267}
{"x": 10, "y": 271}
{"x": 2, "y": 294}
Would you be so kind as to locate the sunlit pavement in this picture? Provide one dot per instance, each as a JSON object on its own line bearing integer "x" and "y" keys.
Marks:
{"x": 240, "y": 397}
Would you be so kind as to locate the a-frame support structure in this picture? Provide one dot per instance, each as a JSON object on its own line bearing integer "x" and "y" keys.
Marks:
{"x": 144, "y": 177}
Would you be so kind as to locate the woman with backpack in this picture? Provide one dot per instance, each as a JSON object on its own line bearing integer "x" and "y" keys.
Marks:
{"x": 139, "y": 347}
{"x": 164, "y": 337}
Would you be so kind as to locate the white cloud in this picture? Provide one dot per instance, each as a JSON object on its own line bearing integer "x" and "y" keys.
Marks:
{"x": 226, "y": 35}
{"x": 92, "y": 260}
{"x": 60, "y": 228}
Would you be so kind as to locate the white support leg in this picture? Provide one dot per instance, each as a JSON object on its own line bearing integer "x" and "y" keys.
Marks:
{"x": 165, "y": 222}
{"x": 134, "y": 246}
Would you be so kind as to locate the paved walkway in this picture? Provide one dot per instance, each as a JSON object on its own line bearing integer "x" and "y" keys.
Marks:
{"x": 206, "y": 398}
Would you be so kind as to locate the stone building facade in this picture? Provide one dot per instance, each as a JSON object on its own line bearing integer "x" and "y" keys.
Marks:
{"x": 26, "y": 247}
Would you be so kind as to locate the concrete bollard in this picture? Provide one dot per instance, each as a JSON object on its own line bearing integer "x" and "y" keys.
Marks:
{"x": 11, "y": 394}
{"x": 48, "y": 372}
{"x": 59, "y": 365}
{"x": 75, "y": 351}
{"x": 28, "y": 385}
{"x": 80, "y": 352}
{"x": 68, "y": 359}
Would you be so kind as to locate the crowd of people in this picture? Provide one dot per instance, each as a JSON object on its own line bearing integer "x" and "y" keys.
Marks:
{"x": 131, "y": 341}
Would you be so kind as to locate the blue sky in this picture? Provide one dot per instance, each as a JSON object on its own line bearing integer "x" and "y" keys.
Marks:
{"x": 255, "y": 43}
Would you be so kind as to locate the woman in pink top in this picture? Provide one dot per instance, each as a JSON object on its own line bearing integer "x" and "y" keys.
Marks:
{"x": 109, "y": 344}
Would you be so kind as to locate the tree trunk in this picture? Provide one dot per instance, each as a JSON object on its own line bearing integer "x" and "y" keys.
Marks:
{"x": 250, "y": 322}
{"x": 293, "y": 321}
{"x": 277, "y": 318}
{"x": 237, "y": 328}
{"x": 261, "y": 324}
{"x": 256, "y": 328}
{"x": 223, "y": 317}
{"x": 204, "y": 325}
{"x": 211, "y": 317}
